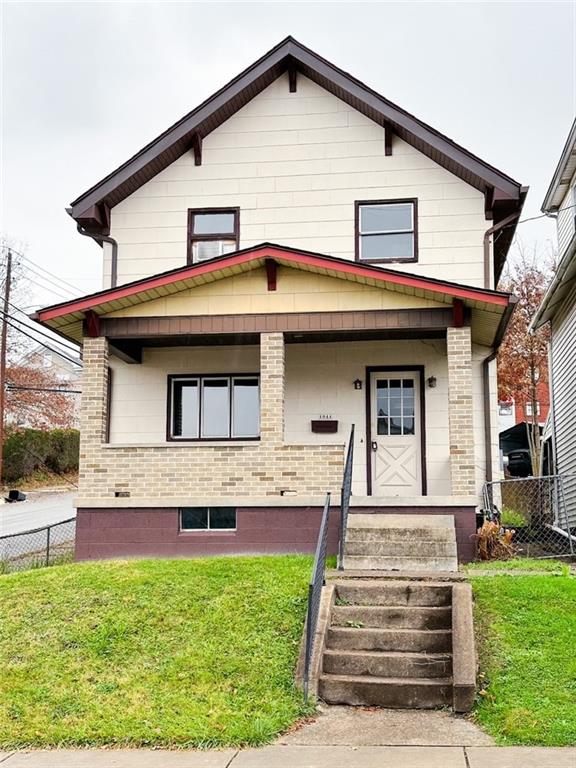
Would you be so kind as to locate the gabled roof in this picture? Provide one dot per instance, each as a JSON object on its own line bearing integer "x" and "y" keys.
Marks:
{"x": 563, "y": 174}
{"x": 67, "y": 317}
{"x": 504, "y": 195}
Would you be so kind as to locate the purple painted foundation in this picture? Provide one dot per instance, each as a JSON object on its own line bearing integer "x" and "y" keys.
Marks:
{"x": 154, "y": 532}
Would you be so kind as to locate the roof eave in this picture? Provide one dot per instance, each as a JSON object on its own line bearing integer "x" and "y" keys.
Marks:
{"x": 549, "y": 206}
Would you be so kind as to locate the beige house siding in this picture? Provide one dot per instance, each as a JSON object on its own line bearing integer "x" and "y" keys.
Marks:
{"x": 296, "y": 291}
{"x": 295, "y": 163}
{"x": 319, "y": 381}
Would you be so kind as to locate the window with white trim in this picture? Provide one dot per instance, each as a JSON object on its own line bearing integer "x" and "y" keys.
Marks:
{"x": 212, "y": 232}
{"x": 386, "y": 231}
{"x": 528, "y": 409}
{"x": 214, "y": 407}
{"x": 208, "y": 519}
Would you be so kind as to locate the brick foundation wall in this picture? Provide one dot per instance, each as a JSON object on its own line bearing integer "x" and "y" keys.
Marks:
{"x": 262, "y": 468}
{"x": 108, "y": 533}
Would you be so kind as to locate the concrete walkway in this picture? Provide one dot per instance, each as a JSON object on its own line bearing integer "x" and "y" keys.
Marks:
{"x": 300, "y": 757}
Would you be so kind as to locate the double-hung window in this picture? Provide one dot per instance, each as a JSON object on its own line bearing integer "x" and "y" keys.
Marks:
{"x": 214, "y": 407}
{"x": 212, "y": 232}
{"x": 386, "y": 231}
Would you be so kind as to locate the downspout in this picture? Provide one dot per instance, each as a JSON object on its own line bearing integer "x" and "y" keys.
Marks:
{"x": 486, "y": 388}
{"x": 487, "y": 235}
{"x": 113, "y": 243}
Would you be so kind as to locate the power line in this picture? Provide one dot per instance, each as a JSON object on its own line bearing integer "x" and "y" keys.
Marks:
{"x": 52, "y": 274}
{"x": 47, "y": 288}
{"x": 42, "y": 344}
{"x": 33, "y": 329}
{"x": 52, "y": 283}
{"x": 64, "y": 342}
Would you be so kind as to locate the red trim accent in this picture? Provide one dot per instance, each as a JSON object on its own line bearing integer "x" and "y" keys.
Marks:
{"x": 281, "y": 255}
{"x": 92, "y": 324}
{"x": 271, "y": 274}
{"x": 458, "y": 306}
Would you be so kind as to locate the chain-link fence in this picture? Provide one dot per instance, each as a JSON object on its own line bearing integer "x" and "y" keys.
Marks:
{"x": 51, "y": 545}
{"x": 540, "y": 510}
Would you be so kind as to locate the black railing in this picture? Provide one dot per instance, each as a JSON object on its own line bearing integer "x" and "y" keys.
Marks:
{"x": 345, "y": 498}
{"x": 315, "y": 591}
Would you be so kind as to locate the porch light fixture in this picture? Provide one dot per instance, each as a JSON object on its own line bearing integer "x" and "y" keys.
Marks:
{"x": 431, "y": 381}
{"x": 357, "y": 384}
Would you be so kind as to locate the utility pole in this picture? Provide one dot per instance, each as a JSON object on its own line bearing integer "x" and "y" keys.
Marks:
{"x": 3, "y": 346}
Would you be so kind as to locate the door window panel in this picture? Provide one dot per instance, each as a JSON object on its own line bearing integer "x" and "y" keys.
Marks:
{"x": 395, "y": 403}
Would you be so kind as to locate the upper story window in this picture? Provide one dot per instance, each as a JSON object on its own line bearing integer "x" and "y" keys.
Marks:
{"x": 214, "y": 407}
{"x": 528, "y": 409}
{"x": 212, "y": 232}
{"x": 386, "y": 231}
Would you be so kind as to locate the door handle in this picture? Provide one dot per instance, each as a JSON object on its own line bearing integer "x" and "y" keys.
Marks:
{"x": 374, "y": 445}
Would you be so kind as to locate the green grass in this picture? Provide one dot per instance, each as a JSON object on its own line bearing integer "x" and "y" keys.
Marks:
{"x": 196, "y": 653}
{"x": 520, "y": 564}
{"x": 511, "y": 517}
{"x": 526, "y": 628}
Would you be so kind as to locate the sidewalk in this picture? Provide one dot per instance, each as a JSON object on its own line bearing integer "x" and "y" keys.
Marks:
{"x": 280, "y": 756}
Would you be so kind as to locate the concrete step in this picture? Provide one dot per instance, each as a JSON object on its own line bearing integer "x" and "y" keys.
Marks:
{"x": 402, "y": 693}
{"x": 384, "y": 520}
{"x": 383, "y": 563}
{"x": 357, "y": 533}
{"x": 392, "y": 593}
{"x": 401, "y": 617}
{"x": 387, "y": 663}
{"x": 409, "y": 548}
{"x": 377, "y": 639}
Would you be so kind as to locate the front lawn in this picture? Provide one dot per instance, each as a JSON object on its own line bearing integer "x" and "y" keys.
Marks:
{"x": 526, "y": 630}
{"x": 153, "y": 652}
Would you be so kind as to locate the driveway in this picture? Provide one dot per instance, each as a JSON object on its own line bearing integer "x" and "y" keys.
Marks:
{"x": 41, "y": 508}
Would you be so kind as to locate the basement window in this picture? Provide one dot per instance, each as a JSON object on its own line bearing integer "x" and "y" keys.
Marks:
{"x": 208, "y": 519}
{"x": 214, "y": 407}
{"x": 212, "y": 232}
{"x": 386, "y": 231}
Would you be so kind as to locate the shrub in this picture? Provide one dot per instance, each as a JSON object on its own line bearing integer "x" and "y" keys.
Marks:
{"x": 28, "y": 450}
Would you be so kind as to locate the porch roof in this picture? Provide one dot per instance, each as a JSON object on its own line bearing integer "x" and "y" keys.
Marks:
{"x": 490, "y": 310}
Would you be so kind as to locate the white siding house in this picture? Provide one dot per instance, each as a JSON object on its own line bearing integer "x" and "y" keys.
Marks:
{"x": 559, "y": 309}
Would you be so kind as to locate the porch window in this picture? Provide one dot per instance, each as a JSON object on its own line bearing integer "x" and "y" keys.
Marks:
{"x": 211, "y": 407}
{"x": 212, "y": 232}
{"x": 386, "y": 231}
{"x": 208, "y": 519}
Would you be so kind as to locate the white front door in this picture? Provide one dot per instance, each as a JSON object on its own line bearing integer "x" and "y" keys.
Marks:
{"x": 396, "y": 448}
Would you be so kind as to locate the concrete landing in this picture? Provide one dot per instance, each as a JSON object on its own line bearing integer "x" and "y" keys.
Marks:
{"x": 372, "y": 727}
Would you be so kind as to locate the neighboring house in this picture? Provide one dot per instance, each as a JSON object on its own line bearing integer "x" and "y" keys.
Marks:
{"x": 61, "y": 371}
{"x": 559, "y": 309}
{"x": 294, "y": 256}
{"x": 511, "y": 412}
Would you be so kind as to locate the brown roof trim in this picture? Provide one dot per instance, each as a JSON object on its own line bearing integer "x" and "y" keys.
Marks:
{"x": 289, "y": 53}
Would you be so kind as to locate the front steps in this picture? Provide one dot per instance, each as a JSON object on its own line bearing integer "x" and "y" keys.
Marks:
{"x": 390, "y": 643}
{"x": 400, "y": 542}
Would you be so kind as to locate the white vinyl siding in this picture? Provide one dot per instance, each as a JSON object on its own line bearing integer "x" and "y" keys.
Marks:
{"x": 566, "y": 221}
{"x": 295, "y": 163}
{"x": 564, "y": 393}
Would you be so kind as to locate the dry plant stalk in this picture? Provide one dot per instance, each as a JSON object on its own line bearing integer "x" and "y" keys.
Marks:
{"x": 495, "y": 542}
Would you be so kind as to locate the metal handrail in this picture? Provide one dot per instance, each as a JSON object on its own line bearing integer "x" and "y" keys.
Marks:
{"x": 345, "y": 498}
{"x": 315, "y": 590}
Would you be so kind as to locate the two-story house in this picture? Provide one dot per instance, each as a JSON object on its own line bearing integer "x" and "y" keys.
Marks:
{"x": 294, "y": 256}
{"x": 558, "y": 307}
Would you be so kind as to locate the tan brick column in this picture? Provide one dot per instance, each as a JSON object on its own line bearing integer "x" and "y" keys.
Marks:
{"x": 272, "y": 387}
{"x": 460, "y": 412}
{"x": 94, "y": 404}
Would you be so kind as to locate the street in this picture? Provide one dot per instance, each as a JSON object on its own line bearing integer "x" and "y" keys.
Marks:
{"x": 41, "y": 508}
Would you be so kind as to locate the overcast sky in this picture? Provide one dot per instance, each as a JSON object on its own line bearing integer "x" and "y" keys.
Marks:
{"x": 87, "y": 84}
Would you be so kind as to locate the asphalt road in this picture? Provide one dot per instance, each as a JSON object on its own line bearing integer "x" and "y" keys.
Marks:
{"x": 40, "y": 509}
